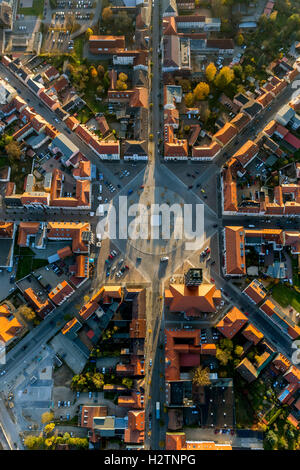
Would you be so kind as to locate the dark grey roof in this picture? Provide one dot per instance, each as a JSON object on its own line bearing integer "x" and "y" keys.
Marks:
{"x": 6, "y": 247}
{"x": 33, "y": 85}
{"x": 242, "y": 98}
{"x": 253, "y": 108}
{"x": 134, "y": 147}
{"x": 61, "y": 113}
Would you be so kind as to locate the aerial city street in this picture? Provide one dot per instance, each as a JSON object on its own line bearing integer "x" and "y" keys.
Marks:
{"x": 150, "y": 225}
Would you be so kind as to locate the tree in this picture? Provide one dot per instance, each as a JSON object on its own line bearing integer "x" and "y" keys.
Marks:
{"x": 240, "y": 39}
{"x": 47, "y": 417}
{"x": 127, "y": 382}
{"x": 13, "y": 150}
{"x": 33, "y": 442}
{"x": 201, "y": 376}
{"x": 123, "y": 77}
{"x": 271, "y": 439}
{"x": 201, "y": 91}
{"x": 93, "y": 72}
{"x": 226, "y": 343}
{"x": 223, "y": 356}
{"x": 100, "y": 70}
{"x": 122, "y": 21}
{"x": 48, "y": 429}
{"x": 238, "y": 350}
{"x": 210, "y": 72}
{"x": 121, "y": 85}
{"x": 26, "y": 312}
{"x": 107, "y": 14}
{"x": 88, "y": 33}
{"x": 224, "y": 77}
{"x": 189, "y": 100}
{"x": 100, "y": 90}
{"x": 98, "y": 380}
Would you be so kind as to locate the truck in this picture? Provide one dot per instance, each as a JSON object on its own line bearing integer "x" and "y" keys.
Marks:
{"x": 157, "y": 410}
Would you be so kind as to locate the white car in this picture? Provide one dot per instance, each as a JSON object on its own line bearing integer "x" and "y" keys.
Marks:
{"x": 164, "y": 258}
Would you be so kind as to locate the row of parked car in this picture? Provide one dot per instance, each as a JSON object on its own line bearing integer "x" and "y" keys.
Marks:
{"x": 63, "y": 403}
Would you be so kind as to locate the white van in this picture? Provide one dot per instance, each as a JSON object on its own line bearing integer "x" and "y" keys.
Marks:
{"x": 100, "y": 188}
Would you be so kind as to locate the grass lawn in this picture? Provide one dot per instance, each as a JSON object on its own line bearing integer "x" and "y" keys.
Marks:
{"x": 244, "y": 411}
{"x": 78, "y": 46}
{"x": 36, "y": 9}
{"x": 27, "y": 264}
{"x": 286, "y": 296}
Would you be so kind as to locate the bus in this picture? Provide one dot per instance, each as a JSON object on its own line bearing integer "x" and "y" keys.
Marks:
{"x": 157, "y": 410}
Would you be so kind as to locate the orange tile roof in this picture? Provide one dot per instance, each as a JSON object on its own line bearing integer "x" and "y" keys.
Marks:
{"x": 61, "y": 292}
{"x": 233, "y": 321}
{"x": 294, "y": 421}
{"x": 68, "y": 326}
{"x": 6, "y": 229}
{"x": 42, "y": 308}
{"x": 270, "y": 128}
{"x": 70, "y": 231}
{"x": 204, "y": 298}
{"x": 71, "y": 122}
{"x": 281, "y": 363}
{"x": 88, "y": 413}
{"x": 83, "y": 170}
{"x": 246, "y": 152}
{"x": 265, "y": 99}
{"x": 225, "y": 134}
{"x": 235, "y": 250}
{"x": 255, "y": 291}
{"x": 177, "y": 441}
{"x": 252, "y": 333}
{"x": 206, "y": 151}
{"x": 230, "y": 193}
{"x": 173, "y": 350}
{"x": 240, "y": 121}
{"x": 135, "y": 433}
{"x": 209, "y": 349}
{"x": 131, "y": 401}
{"x": 292, "y": 375}
{"x": 64, "y": 252}
{"x": 25, "y": 230}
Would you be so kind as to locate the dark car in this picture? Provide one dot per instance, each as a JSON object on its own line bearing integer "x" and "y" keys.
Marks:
{"x": 190, "y": 187}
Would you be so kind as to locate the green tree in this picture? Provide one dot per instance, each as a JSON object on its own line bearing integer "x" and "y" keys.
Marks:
{"x": 98, "y": 380}
{"x": 201, "y": 376}
{"x": 201, "y": 91}
{"x": 127, "y": 382}
{"x": 271, "y": 439}
{"x": 189, "y": 100}
{"x": 88, "y": 33}
{"x": 26, "y": 312}
{"x": 223, "y": 356}
{"x": 122, "y": 21}
{"x": 49, "y": 428}
{"x": 13, "y": 150}
{"x": 123, "y": 77}
{"x": 226, "y": 343}
{"x": 238, "y": 350}
{"x": 107, "y": 15}
{"x": 210, "y": 72}
{"x": 240, "y": 39}
{"x": 100, "y": 70}
{"x": 47, "y": 417}
{"x": 224, "y": 77}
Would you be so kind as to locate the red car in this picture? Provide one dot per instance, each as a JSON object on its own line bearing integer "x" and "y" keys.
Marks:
{"x": 110, "y": 256}
{"x": 142, "y": 186}
{"x": 126, "y": 267}
{"x": 207, "y": 250}
{"x": 212, "y": 280}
